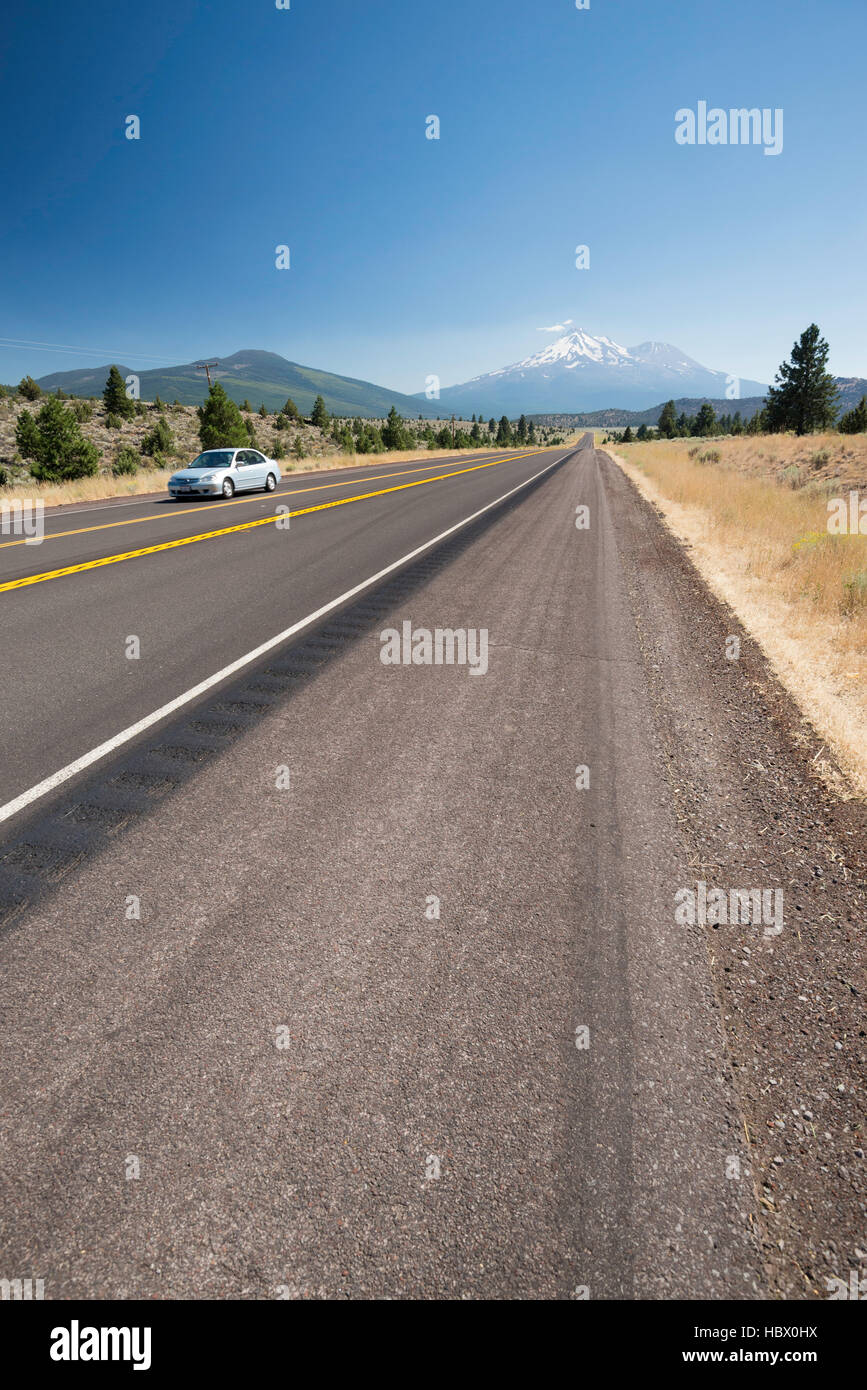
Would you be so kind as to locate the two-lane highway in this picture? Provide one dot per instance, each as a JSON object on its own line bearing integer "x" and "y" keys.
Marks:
{"x": 124, "y": 608}
{"x": 421, "y": 1019}
{"x": 338, "y": 1045}
{"x": 93, "y": 536}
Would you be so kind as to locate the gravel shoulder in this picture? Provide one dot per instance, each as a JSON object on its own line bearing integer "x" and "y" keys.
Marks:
{"x": 742, "y": 767}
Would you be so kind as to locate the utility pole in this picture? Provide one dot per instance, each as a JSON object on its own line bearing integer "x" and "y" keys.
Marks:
{"x": 206, "y": 367}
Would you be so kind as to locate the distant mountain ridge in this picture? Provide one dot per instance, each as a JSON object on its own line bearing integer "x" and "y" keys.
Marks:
{"x": 258, "y": 376}
{"x": 579, "y": 377}
{"x": 580, "y": 372}
{"x": 612, "y": 416}
{"x": 851, "y": 389}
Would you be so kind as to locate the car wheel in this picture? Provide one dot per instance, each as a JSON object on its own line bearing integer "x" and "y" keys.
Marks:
{"x": 270, "y": 483}
{"x": 228, "y": 487}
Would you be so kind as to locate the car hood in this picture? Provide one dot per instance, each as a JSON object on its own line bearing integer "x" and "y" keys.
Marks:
{"x": 195, "y": 475}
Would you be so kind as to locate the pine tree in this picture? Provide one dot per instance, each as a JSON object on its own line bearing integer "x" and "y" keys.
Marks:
{"x": 27, "y": 435}
{"x": 504, "y": 431}
{"x": 221, "y": 425}
{"x": 757, "y": 424}
{"x": 320, "y": 414}
{"x": 55, "y": 444}
{"x": 290, "y": 409}
{"x": 626, "y": 437}
{"x": 29, "y": 389}
{"x": 668, "y": 421}
{"x": 394, "y": 435}
{"x": 804, "y": 397}
{"x": 705, "y": 421}
{"x": 115, "y": 399}
{"x": 262, "y": 411}
{"x": 492, "y": 426}
{"x": 522, "y": 429}
{"x": 855, "y": 421}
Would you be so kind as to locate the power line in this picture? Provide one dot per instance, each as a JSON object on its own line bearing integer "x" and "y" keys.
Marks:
{"x": 206, "y": 367}
{"x": 17, "y": 343}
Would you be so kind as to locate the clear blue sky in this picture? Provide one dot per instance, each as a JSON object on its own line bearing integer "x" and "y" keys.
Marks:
{"x": 411, "y": 256}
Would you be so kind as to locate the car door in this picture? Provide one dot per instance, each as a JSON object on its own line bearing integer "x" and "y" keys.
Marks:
{"x": 258, "y": 468}
{"x": 246, "y": 470}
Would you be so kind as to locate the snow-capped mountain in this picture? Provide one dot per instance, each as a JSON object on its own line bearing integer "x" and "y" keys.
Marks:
{"x": 579, "y": 372}
{"x": 570, "y": 351}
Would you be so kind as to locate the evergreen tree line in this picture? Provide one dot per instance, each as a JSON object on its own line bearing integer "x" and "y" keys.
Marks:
{"x": 363, "y": 436}
{"x": 52, "y": 441}
{"x": 803, "y": 399}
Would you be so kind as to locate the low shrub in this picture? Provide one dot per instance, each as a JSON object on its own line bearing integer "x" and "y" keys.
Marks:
{"x": 159, "y": 440}
{"x": 854, "y": 594}
{"x": 126, "y": 462}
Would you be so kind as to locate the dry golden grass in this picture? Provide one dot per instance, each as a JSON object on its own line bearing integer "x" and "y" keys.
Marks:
{"x": 94, "y": 489}
{"x": 814, "y": 462}
{"x": 763, "y": 544}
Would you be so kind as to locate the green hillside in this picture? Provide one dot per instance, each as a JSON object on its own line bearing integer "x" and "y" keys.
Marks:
{"x": 260, "y": 377}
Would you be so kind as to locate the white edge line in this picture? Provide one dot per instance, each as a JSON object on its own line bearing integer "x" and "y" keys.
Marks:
{"x": 118, "y": 740}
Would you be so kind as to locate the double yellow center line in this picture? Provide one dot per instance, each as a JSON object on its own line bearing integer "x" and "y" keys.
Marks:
{"x": 171, "y": 512}
{"x": 247, "y": 525}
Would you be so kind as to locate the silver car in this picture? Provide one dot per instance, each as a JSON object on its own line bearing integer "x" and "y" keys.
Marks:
{"x": 225, "y": 471}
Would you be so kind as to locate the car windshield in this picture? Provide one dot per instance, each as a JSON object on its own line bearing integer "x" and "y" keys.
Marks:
{"x": 214, "y": 458}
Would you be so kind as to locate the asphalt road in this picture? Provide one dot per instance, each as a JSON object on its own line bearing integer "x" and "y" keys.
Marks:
{"x": 68, "y": 683}
{"x": 376, "y": 1001}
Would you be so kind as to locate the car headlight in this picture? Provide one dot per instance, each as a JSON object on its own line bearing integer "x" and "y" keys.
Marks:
{"x": 208, "y": 478}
